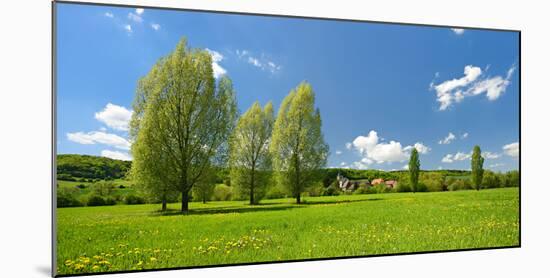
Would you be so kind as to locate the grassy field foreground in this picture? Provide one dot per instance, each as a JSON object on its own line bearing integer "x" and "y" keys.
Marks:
{"x": 101, "y": 239}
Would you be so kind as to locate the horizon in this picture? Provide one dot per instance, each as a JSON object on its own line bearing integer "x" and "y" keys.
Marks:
{"x": 463, "y": 84}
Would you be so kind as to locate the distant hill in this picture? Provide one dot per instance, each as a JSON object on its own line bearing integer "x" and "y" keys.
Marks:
{"x": 77, "y": 167}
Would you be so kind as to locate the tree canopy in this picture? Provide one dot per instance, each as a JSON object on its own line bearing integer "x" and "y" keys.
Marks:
{"x": 182, "y": 121}
{"x": 297, "y": 146}
{"x": 250, "y": 160}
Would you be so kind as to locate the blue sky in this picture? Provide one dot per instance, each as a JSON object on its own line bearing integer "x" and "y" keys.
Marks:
{"x": 382, "y": 89}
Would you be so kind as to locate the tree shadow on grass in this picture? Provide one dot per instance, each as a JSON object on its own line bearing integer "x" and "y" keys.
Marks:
{"x": 278, "y": 206}
{"x": 223, "y": 210}
{"x": 332, "y": 202}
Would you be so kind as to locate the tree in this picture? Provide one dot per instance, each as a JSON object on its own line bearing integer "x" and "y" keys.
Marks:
{"x": 181, "y": 121}
{"x": 477, "y": 167}
{"x": 250, "y": 160}
{"x": 204, "y": 189}
{"x": 414, "y": 169}
{"x": 297, "y": 143}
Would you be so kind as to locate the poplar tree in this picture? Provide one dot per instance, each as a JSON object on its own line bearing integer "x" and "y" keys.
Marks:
{"x": 477, "y": 167}
{"x": 414, "y": 169}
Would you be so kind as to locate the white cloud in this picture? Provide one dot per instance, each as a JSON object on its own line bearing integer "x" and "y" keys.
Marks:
{"x": 342, "y": 164}
{"x": 421, "y": 148}
{"x": 447, "y": 140}
{"x": 455, "y": 90}
{"x": 490, "y": 155}
{"x": 99, "y": 137}
{"x": 242, "y": 53}
{"x": 373, "y": 150}
{"x": 349, "y": 145}
{"x": 458, "y": 31}
{"x": 139, "y": 11}
{"x": 262, "y": 63}
{"x": 361, "y": 165}
{"x": 406, "y": 167}
{"x": 465, "y": 135}
{"x": 109, "y": 14}
{"x": 459, "y": 156}
{"x": 496, "y": 165}
{"x": 447, "y": 158}
{"x": 511, "y": 149}
{"x": 128, "y": 28}
{"x": 155, "y": 26}
{"x": 135, "y": 17}
{"x": 114, "y": 116}
{"x": 493, "y": 87}
{"x": 116, "y": 155}
{"x": 216, "y": 58}
{"x": 338, "y": 152}
{"x": 255, "y": 62}
{"x": 445, "y": 90}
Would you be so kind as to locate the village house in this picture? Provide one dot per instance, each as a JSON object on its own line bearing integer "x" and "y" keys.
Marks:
{"x": 377, "y": 181}
{"x": 346, "y": 184}
{"x": 391, "y": 183}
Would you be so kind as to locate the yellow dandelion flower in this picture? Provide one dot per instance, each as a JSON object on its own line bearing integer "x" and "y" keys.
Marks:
{"x": 95, "y": 267}
{"x": 153, "y": 259}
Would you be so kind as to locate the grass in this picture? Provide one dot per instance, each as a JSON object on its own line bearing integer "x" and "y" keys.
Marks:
{"x": 102, "y": 239}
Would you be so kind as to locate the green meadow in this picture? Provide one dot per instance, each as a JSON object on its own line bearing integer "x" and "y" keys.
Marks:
{"x": 135, "y": 237}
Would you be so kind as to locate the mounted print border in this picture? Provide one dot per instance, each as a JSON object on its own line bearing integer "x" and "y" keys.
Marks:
{"x": 187, "y": 138}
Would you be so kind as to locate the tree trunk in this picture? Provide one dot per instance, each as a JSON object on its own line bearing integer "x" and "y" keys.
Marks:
{"x": 252, "y": 188}
{"x": 298, "y": 198}
{"x": 163, "y": 204}
{"x": 185, "y": 201}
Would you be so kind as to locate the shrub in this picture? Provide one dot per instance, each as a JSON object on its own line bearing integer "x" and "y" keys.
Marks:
{"x": 421, "y": 187}
{"x": 109, "y": 201}
{"x": 223, "y": 192}
{"x": 432, "y": 185}
{"x": 362, "y": 189}
{"x": 460, "y": 184}
{"x": 403, "y": 187}
{"x": 95, "y": 200}
{"x": 81, "y": 186}
{"x": 103, "y": 188}
{"x": 134, "y": 200}
{"x": 316, "y": 190}
{"x": 66, "y": 197}
{"x": 275, "y": 192}
{"x": 332, "y": 190}
{"x": 121, "y": 186}
{"x": 382, "y": 188}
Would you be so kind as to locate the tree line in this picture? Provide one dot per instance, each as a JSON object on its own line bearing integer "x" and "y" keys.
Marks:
{"x": 186, "y": 125}
{"x": 74, "y": 167}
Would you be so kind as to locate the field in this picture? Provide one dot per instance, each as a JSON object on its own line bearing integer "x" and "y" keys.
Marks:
{"x": 116, "y": 238}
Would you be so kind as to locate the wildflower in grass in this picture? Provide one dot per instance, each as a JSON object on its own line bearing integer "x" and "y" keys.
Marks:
{"x": 95, "y": 267}
{"x": 153, "y": 259}
{"x": 140, "y": 263}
